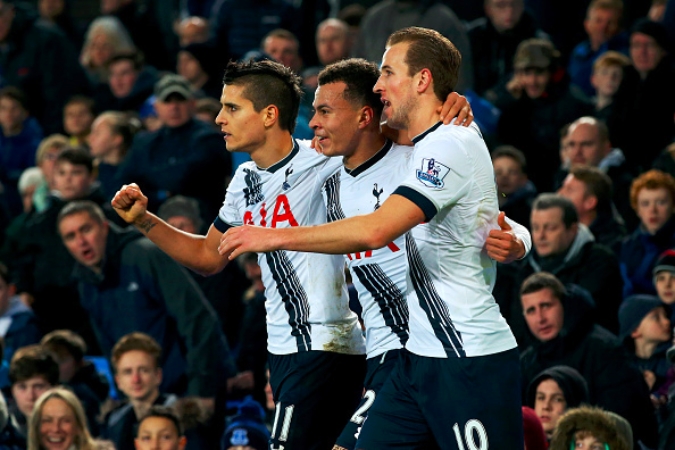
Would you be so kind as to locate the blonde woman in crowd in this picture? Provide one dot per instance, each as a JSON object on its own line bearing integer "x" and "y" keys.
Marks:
{"x": 105, "y": 38}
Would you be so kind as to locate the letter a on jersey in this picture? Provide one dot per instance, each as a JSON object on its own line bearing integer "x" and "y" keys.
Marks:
{"x": 432, "y": 173}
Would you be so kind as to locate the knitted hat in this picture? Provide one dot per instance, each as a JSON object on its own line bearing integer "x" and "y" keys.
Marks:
{"x": 535, "y": 438}
{"x": 247, "y": 427}
{"x": 205, "y": 54}
{"x": 655, "y": 30}
{"x": 633, "y": 310}
{"x": 665, "y": 263}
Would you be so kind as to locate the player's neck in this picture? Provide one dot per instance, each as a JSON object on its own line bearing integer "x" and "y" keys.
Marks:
{"x": 369, "y": 144}
{"x": 423, "y": 117}
{"x": 276, "y": 147}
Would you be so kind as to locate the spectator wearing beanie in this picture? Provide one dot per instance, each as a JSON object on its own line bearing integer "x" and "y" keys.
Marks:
{"x": 247, "y": 428}
{"x": 647, "y": 90}
{"x": 645, "y": 331}
{"x": 568, "y": 382}
{"x": 664, "y": 279}
{"x": 198, "y": 64}
{"x": 535, "y": 438}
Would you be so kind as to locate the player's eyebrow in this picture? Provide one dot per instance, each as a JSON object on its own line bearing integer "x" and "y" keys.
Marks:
{"x": 322, "y": 106}
{"x": 230, "y": 105}
{"x": 386, "y": 66}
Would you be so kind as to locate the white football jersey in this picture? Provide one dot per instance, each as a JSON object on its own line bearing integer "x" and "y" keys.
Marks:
{"x": 307, "y": 302}
{"x": 450, "y": 278}
{"x": 378, "y": 275}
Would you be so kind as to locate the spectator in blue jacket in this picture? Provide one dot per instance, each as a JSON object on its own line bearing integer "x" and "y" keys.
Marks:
{"x": 127, "y": 284}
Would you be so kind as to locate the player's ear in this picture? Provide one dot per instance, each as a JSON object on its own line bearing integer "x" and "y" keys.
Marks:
{"x": 366, "y": 116}
{"x": 424, "y": 80}
{"x": 270, "y": 115}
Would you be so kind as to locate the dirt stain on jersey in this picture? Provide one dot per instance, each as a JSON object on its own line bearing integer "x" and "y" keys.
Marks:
{"x": 341, "y": 341}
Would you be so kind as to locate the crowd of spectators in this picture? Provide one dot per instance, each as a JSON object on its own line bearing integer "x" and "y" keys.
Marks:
{"x": 575, "y": 99}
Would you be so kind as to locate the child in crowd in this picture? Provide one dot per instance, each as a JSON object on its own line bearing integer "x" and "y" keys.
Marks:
{"x": 78, "y": 115}
{"x": 606, "y": 78}
{"x": 588, "y": 428}
{"x": 160, "y": 428}
{"x": 645, "y": 330}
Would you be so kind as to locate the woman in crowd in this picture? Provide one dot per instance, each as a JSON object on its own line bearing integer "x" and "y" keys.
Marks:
{"x": 105, "y": 38}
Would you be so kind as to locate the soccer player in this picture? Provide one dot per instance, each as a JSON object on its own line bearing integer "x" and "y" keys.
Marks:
{"x": 444, "y": 389}
{"x": 347, "y": 124}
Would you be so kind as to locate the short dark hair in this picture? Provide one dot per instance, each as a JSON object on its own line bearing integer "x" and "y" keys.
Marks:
{"x": 281, "y": 33}
{"x": 16, "y": 94}
{"x": 136, "y": 341}
{"x": 76, "y": 156}
{"x": 33, "y": 361}
{"x": 543, "y": 280}
{"x": 164, "y": 412}
{"x": 88, "y": 102}
{"x": 509, "y": 151}
{"x": 268, "y": 83}
{"x": 59, "y": 341}
{"x": 136, "y": 59}
{"x": 598, "y": 184}
{"x": 430, "y": 49}
{"x": 79, "y": 206}
{"x": 549, "y": 200}
{"x": 360, "y": 76}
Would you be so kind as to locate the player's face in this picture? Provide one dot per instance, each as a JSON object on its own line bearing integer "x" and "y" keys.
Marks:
{"x": 584, "y": 147}
{"x": 654, "y": 208}
{"x": 84, "y": 238}
{"x": 645, "y": 52}
{"x": 549, "y": 404}
{"x": 395, "y": 86}
{"x": 243, "y": 128}
{"x": 137, "y": 375}
{"x": 575, "y": 191}
{"x": 27, "y": 392}
{"x": 550, "y": 236}
{"x": 543, "y": 313}
{"x": 655, "y": 326}
{"x": 508, "y": 174}
{"x": 158, "y": 433}
{"x": 335, "y": 121}
{"x": 58, "y": 425}
{"x": 73, "y": 181}
{"x": 665, "y": 286}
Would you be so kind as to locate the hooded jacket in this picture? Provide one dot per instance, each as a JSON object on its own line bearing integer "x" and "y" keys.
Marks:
{"x": 569, "y": 380}
{"x": 153, "y": 294}
{"x": 586, "y": 418}
{"x": 599, "y": 357}
{"x": 586, "y": 264}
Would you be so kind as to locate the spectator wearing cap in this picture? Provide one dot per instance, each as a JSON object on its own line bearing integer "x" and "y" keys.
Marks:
{"x": 185, "y": 156}
{"x": 198, "y": 64}
{"x": 647, "y": 90}
{"x": 603, "y": 28}
{"x": 645, "y": 331}
{"x": 554, "y": 391}
{"x": 536, "y": 103}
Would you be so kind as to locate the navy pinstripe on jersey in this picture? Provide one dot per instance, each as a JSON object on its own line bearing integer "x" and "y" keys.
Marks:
{"x": 333, "y": 208}
{"x": 431, "y": 303}
{"x": 307, "y": 303}
{"x": 388, "y": 296}
{"x": 293, "y": 296}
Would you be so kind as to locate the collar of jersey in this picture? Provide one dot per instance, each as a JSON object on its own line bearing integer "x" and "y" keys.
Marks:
{"x": 276, "y": 166}
{"x": 355, "y": 172}
{"x": 419, "y": 137}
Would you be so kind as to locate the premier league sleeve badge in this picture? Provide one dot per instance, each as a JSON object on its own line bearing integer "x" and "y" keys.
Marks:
{"x": 432, "y": 173}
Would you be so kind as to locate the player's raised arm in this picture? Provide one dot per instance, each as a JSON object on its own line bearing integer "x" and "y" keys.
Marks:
{"x": 199, "y": 253}
{"x": 371, "y": 231}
